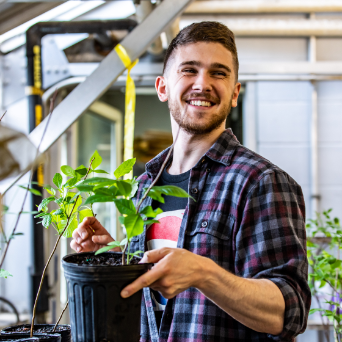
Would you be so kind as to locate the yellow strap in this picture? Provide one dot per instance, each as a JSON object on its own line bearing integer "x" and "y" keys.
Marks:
{"x": 129, "y": 104}
{"x": 30, "y": 90}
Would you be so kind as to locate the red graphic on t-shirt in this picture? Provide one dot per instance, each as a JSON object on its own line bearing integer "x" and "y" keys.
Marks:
{"x": 165, "y": 233}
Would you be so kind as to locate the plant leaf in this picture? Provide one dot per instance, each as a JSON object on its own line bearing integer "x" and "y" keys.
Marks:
{"x": 151, "y": 221}
{"x": 149, "y": 212}
{"x": 68, "y": 171}
{"x": 98, "y": 198}
{"x": 114, "y": 244}
{"x": 169, "y": 190}
{"x": 125, "y": 188}
{"x": 5, "y": 274}
{"x": 125, "y": 207}
{"x": 84, "y": 187}
{"x": 50, "y": 190}
{"x": 85, "y": 213}
{"x": 47, "y": 221}
{"x": 103, "y": 249}
{"x": 57, "y": 180}
{"x": 95, "y": 181}
{"x": 134, "y": 225}
{"x": 81, "y": 170}
{"x": 68, "y": 207}
{"x": 124, "y": 168}
{"x": 101, "y": 171}
{"x": 33, "y": 191}
{"x": 71, "y": 182}
{"x": 97, "y": 160}
{"x": 45, "y": 202}
{"x": 110, "y": 182}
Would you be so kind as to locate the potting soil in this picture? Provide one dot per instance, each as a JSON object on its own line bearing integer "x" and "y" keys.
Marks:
{"x": 99, "y": 260}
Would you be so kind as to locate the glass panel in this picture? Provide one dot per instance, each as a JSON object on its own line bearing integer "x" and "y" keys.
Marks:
{"x": 98, "y": 133}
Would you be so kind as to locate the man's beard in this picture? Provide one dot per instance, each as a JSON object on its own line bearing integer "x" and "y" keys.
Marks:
{"x": 193, "y": 127}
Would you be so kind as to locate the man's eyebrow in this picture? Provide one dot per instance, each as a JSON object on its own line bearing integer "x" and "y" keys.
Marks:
{"x": 195, "y": 63}
{"x": 221, "y": 66}
{"x": 213, "y": 65}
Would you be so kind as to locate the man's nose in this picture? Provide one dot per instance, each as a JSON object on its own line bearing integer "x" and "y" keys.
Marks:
{"x": 202, "y": 82}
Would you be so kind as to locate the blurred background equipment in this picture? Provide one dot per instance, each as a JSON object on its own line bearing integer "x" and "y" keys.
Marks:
{"x": 17, "y": 152}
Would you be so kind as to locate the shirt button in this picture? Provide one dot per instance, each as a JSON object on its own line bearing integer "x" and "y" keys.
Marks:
{"x": 194, "y": 190}
{"x": 204, "y": 224}
{"x": 208, "y": 170}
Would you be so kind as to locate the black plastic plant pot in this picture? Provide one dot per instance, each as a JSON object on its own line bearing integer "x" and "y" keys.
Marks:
{"x": 97, "y": 311}
{"x": 26, "y": 337}
{"x": 18, "y": 338}
{"x": 62, "y": 329}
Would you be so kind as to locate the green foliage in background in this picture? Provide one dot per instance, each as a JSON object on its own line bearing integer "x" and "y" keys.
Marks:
{"x": 325, "y": 277}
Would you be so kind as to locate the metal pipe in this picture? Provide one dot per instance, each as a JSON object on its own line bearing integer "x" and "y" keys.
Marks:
{"x": 142, "y": 10}
{"x": 274, "y": 27}
{"x": 314, "y": 196}
{"x": 289, "y": 6}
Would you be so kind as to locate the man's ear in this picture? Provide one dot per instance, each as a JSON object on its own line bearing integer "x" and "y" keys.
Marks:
{"x": 161, "y": 88}
{"x": 236, "y": 94}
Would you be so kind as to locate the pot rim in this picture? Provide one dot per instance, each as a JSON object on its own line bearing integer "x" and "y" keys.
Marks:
{"x": 65, "y": 262}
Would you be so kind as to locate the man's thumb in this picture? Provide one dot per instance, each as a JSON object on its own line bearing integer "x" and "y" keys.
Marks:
{"x": 154, "y": 256}
{"x": 102, "y": 239}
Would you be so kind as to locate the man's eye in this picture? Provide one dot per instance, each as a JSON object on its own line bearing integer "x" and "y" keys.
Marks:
{"x": 219, "y": 73}
{"x": 190, "y": 71}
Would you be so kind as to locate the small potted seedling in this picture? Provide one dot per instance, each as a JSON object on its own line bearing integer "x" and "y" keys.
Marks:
{"x": 95, "y": 280}
{"x": 325, "y": 276}
{"x": 65, "y": 219}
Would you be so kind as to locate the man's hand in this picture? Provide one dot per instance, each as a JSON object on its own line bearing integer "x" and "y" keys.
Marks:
{"x": 176, "y": 270}
{"x": 90, "y": 236}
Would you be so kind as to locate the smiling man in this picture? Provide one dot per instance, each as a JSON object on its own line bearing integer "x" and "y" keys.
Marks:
{"x": 231, "y": 265}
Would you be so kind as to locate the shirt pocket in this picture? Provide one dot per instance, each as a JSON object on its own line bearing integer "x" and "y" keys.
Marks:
{"x": 212, "y": 237}
{"x": 218, "y": 224}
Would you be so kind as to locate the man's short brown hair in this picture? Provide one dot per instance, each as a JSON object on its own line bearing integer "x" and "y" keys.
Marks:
{"x": 205, "y": 31}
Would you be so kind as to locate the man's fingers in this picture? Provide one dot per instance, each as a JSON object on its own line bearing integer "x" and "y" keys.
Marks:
{"x": 92, "y": 222}
{"x": 75, "y": 246}
{"x": 102, "y": 239}
{"x": 143, "y": 281}
{"x": 154, "y": 255}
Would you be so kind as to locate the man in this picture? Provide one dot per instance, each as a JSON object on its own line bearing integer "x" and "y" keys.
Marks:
{"x": 239, "y": 269}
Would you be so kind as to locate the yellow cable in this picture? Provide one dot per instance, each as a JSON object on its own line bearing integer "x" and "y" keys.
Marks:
{"x": 129, "y": 104}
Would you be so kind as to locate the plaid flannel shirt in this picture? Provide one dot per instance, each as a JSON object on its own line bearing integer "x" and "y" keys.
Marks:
{"x": 249, "y": 217}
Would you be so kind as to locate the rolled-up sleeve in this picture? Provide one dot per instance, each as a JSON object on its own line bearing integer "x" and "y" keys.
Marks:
{"x": 271, "y": 244}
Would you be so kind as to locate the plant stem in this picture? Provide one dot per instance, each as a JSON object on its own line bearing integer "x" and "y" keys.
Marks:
{"x": 52, "y": 105}
{"x": 51, "y": 255}
{"x": 3, "y": 115}
{"x": 158, "y": 175}
{"x": 60, "y": 317}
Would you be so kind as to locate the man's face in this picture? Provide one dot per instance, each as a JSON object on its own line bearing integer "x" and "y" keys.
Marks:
{"x": 200, "y": 79}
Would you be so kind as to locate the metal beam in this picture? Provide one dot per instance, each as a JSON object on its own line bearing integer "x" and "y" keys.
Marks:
{"x": 15, "y": 14}
{"x": 257, "y": 6}
{"x": 273, "y": 27}
{"x": 77, "y": 102}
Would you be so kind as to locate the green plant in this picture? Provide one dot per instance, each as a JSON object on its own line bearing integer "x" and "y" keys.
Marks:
{"x": 121, "y": 193}
{"x": 66, "y": 218}
{"x": 325, "y": 277}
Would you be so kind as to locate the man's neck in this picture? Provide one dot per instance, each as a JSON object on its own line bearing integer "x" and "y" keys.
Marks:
{"x": 190, "y": 148}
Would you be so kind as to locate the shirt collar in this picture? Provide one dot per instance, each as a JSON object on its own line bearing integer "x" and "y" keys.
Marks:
{"x": 221, "y": 151}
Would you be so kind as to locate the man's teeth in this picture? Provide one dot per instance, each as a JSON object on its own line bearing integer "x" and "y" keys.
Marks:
{"x": 200, "y": 103}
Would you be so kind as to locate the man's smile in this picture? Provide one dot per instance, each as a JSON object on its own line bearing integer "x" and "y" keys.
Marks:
{"x": 199, "y": 103}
